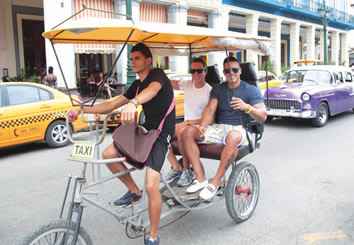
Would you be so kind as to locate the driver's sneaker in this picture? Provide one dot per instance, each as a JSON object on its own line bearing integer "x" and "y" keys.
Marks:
{"x": 172, "y": 175}
{"x": 127, "y": 199}
{"x": 186, "y": 177}
{"x": 149, "y": 241}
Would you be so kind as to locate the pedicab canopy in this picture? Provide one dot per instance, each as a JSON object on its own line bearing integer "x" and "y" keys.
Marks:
{"x": 163, "y": 39}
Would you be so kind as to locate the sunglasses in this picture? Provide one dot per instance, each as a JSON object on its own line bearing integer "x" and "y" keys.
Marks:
{"x": 234, "y": 70}
{"x": 199, "y": 71}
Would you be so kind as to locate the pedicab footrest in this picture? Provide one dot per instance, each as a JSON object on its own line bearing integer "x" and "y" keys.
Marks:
{"x": 213, "y": 151}
{"x": 181, "y": 193}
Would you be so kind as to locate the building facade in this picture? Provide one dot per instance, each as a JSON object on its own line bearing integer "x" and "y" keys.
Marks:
{"x": 294, "y": 26}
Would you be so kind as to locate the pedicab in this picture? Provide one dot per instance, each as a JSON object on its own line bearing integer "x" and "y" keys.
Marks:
{"x": 240, "y": 188}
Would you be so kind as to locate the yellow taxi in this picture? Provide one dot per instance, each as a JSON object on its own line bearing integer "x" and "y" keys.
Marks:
{"x": 32, "y": 112}
{"x": 272, "y": 80}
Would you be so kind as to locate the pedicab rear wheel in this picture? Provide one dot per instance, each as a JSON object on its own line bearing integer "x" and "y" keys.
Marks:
{"x": 242, "y": 192}
{"x": 53, "y": 232}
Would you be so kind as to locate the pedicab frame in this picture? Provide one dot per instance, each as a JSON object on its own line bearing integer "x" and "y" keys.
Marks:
{"x": 163, "y": 39}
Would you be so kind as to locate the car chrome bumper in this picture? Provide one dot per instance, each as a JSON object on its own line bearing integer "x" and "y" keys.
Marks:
{"x": 291, "y": 113}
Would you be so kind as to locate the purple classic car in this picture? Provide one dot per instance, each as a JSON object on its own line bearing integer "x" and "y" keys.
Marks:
{"x": 312, "y": 92}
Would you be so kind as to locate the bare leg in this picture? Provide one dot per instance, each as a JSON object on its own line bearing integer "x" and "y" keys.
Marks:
{"x": 228, "y": 155}
{"x": 191, "y": 135}
{"x": 155, "y": 205}
{"x": 171, "y": 155}
{"x": 127, "y": 179}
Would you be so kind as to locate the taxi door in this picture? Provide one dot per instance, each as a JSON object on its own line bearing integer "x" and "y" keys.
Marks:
{"x": 24, "y": 114}
{"x": 4, "y": 130}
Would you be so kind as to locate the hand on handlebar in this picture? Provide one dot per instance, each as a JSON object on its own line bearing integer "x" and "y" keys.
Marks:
{"x": 73, "y": 114}
{"x": 128, "y": 114}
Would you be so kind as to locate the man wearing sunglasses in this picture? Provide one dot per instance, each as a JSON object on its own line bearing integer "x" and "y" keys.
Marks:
{"x": 196, "y": 97}
{"x": 231, "y": 105}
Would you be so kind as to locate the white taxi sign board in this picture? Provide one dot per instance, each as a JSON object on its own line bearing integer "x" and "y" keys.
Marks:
{"x": 83, "y": 150}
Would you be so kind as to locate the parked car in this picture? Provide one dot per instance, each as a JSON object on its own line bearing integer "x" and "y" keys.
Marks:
{"x": 272, "y": 80}
{"x": 314, "y": 92}
{"x": 32, "y": 112}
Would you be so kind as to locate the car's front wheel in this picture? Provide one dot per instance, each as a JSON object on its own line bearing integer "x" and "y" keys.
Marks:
{"x": 322, "y": 116}
{"x": 57, "y": 134}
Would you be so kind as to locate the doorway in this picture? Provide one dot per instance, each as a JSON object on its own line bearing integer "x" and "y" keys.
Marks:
{"x": 33, "y": 47}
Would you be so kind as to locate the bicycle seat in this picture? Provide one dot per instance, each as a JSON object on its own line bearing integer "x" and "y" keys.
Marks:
{"x": 213, "y": 151}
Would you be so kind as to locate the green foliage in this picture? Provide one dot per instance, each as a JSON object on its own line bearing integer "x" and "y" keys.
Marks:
{"x": 284, "y": 68}
{"x": 331, "y": 63}
{"x": 342, "y": 63}
{"x": 270, "y": 66}
{"x": 23, "y": 77}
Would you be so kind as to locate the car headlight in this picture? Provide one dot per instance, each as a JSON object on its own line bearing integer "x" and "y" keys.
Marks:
{"x": 305, "y": 97}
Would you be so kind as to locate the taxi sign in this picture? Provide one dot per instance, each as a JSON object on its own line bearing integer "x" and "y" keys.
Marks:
{"x": 83, "y": 150}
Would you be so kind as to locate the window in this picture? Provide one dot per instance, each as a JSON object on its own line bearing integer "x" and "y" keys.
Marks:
{"x": 338, "y": 77}
{"x": 348, "y": 76}
{"x": 1, "y": 97}
{"x": 22, "y": 94}
{"x": 45, "y": 95}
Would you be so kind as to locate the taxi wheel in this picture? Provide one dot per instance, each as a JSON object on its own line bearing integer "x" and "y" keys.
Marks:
{"x": 57, "y": 134}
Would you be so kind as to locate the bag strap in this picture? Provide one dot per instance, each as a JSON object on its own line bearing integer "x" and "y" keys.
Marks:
{"x": 173, "y": 103}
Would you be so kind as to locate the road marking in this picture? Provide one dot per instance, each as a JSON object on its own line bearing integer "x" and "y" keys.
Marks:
{"x": 314, "y": 237}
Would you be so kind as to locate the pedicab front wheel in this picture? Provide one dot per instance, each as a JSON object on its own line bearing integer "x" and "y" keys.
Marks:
{"x": 53, "y": 232}
{"x": 242, "y": 192}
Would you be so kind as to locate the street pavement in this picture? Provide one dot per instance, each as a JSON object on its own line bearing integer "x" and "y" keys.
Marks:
{"x": 306, "y": 196}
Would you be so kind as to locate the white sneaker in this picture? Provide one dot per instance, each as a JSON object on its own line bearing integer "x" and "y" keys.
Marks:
{"x": 208, "y": 192}
{"x": 196, "y": 186}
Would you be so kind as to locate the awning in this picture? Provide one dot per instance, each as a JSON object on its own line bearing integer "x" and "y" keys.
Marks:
{"x": 163, "y": 39}
{"x": 151, "y": 12}
{"x": 105, "y": 5}
{"x": 197, "y": 15}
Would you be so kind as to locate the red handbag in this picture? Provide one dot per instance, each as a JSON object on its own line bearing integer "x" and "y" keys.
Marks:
{"x": 135, "y": 142}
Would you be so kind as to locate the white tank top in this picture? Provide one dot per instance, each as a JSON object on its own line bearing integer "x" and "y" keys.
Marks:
{"x": 195, "y": 99}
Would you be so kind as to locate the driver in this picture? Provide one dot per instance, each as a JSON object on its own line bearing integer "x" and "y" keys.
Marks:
{"x": 229, "y": 113}
{"x": 155, "y": 95}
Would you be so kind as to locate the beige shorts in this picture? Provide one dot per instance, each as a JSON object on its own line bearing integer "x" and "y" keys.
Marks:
{"x": 216, "y": 134}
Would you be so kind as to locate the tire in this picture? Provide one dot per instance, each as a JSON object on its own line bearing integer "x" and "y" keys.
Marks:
{"x": 322, "y": 115}
{"x": 242, "y": 192}
{"x": 57, "y": 134}
{"x": 53, "y": 233}
{"x": 141, "y": 118}
{"x": 269, "y": 119}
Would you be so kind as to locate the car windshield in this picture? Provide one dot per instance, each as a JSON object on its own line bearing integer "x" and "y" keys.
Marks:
{"x": 309, "y": 76}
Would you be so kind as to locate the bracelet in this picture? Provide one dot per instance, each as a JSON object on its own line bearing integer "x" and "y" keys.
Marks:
{"x": 249, "y": 109}
{"x": 136, "y": 104}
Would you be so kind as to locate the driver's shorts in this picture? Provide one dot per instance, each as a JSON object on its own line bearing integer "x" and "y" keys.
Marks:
{"x": 216, "y": 134}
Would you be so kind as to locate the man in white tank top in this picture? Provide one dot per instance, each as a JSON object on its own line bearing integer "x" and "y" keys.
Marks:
{"x": 196, "y": 98}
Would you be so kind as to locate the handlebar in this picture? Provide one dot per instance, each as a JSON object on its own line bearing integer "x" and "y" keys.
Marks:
{"x": 102, "y": 136}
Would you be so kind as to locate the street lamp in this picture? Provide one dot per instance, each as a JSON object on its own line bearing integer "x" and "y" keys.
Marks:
{"x": 325, "y": 13}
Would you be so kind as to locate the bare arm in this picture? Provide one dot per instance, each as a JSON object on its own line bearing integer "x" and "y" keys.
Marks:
{"x": 209, "y": 112}
{"x": 107, "y": 106}
{"x": 258, "y": 111}
{"x": 175, "y": 84}
{"x": 128, "y": 113}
